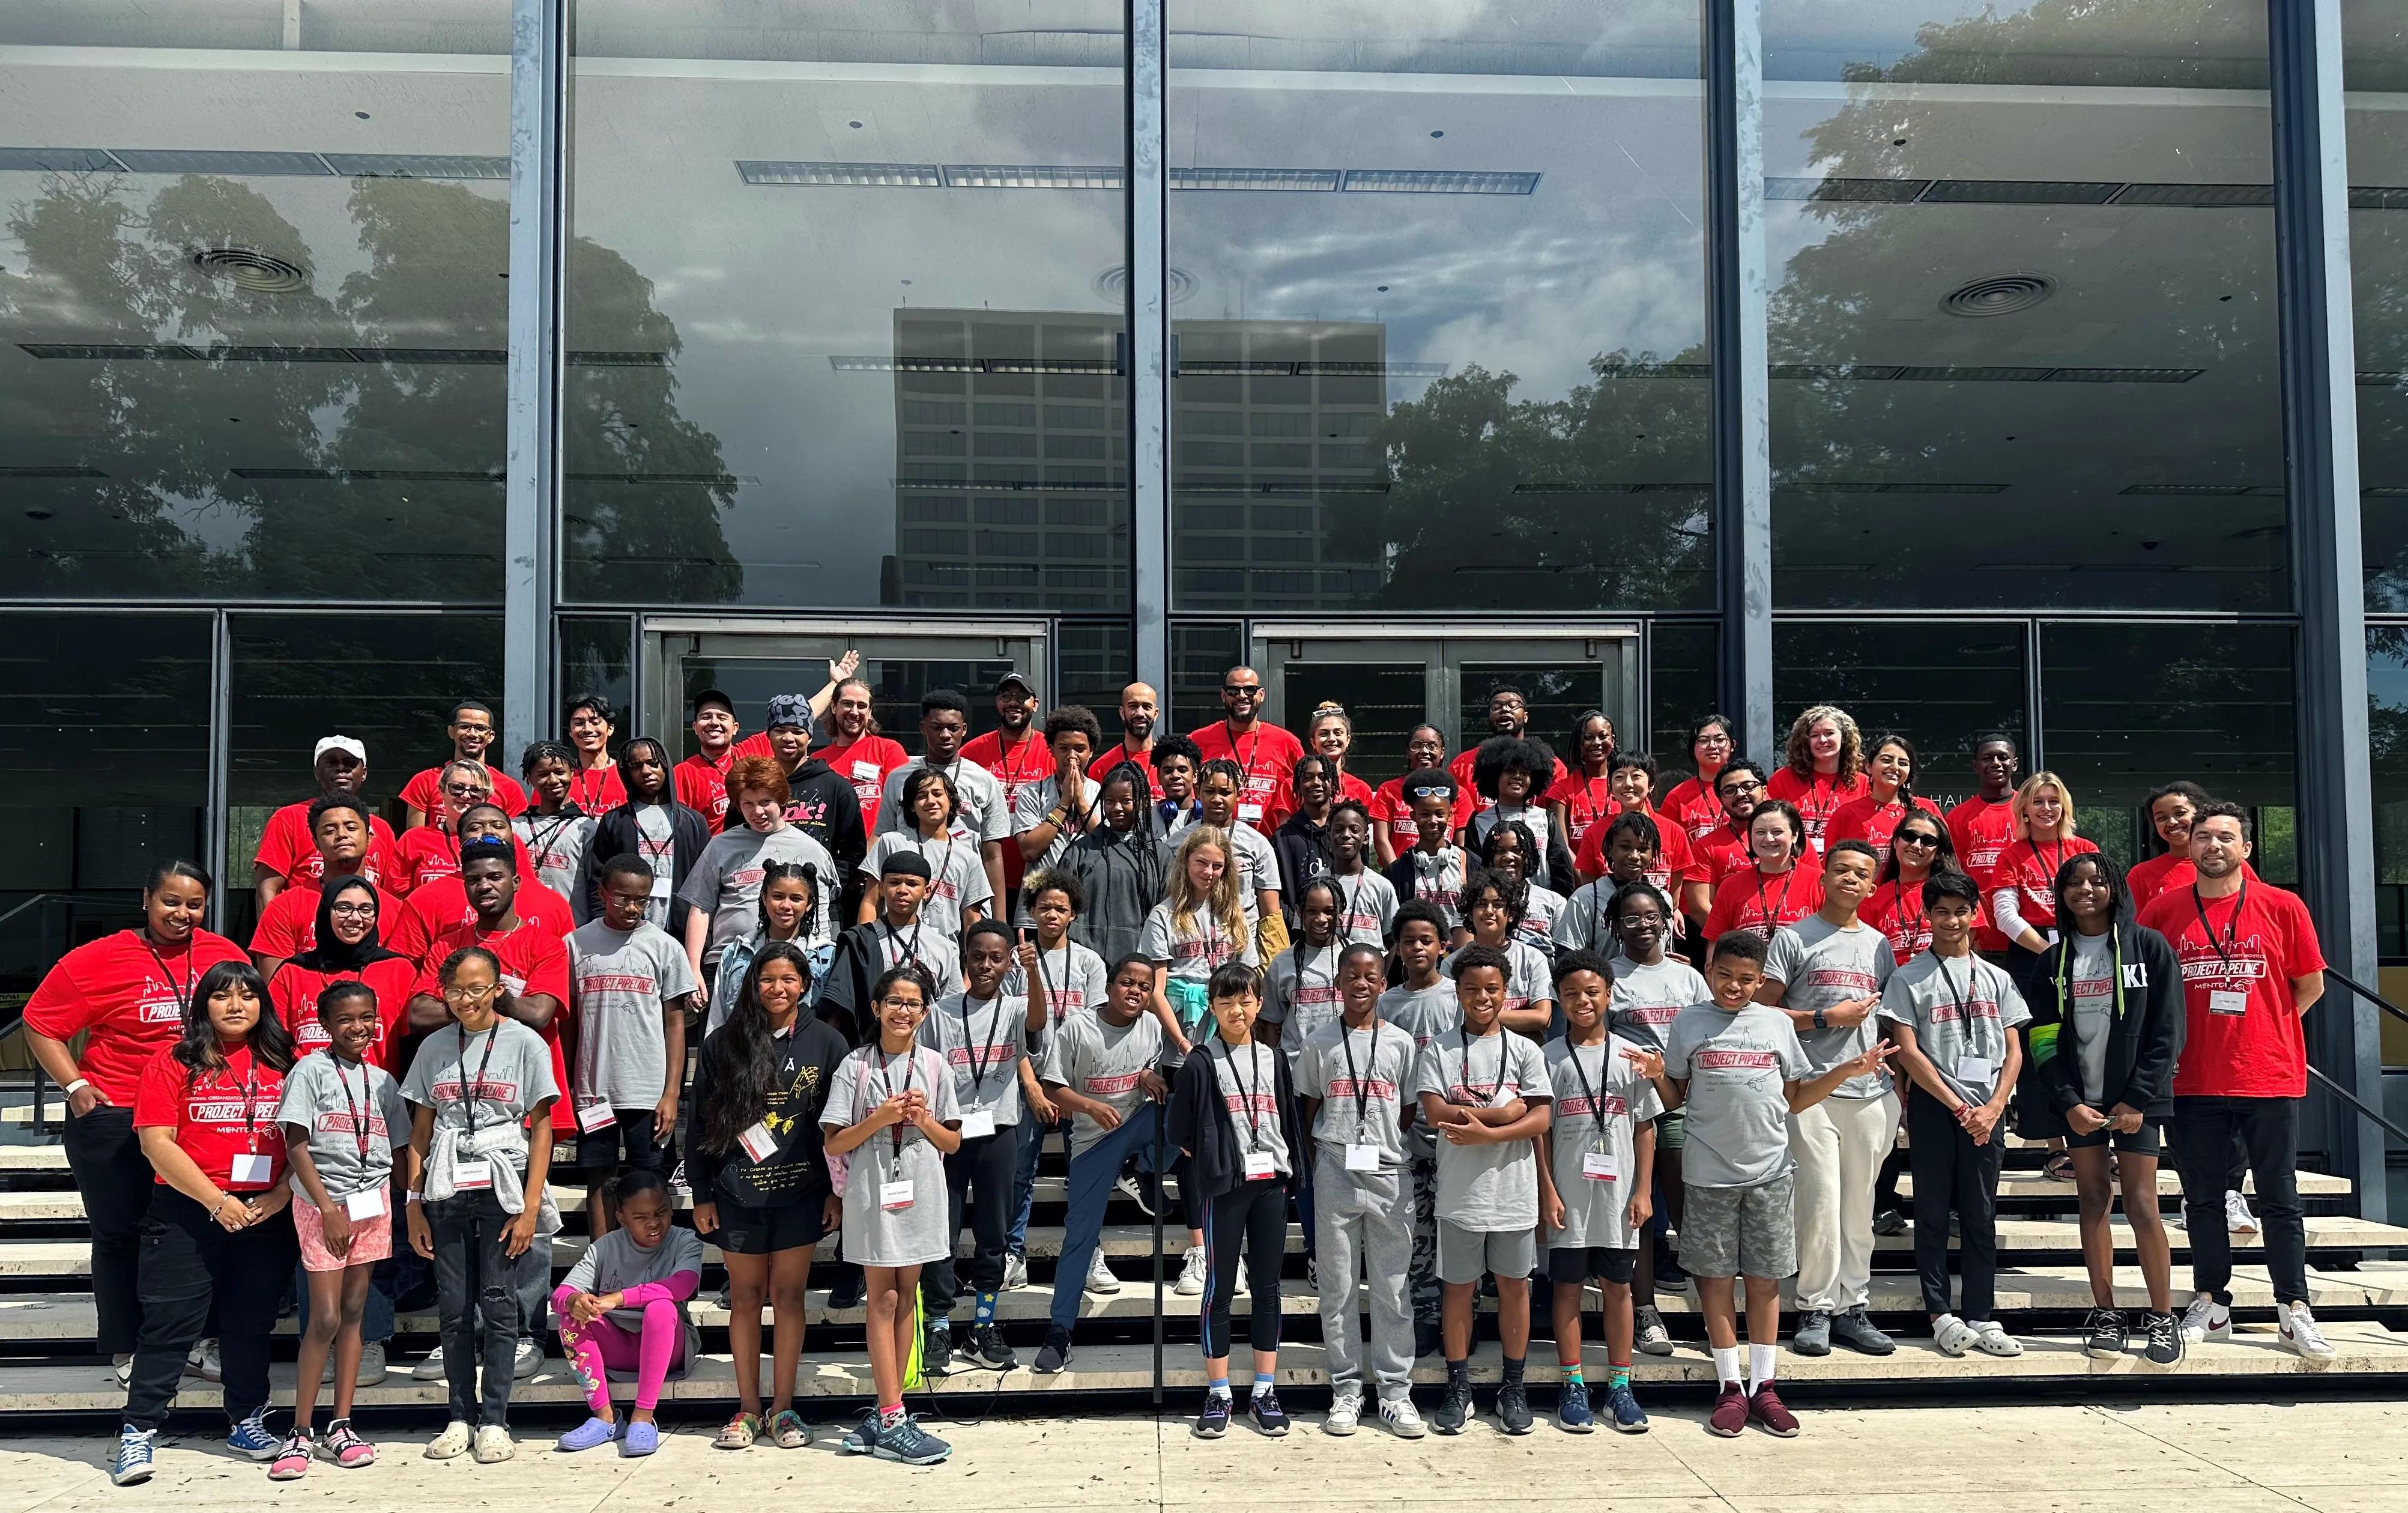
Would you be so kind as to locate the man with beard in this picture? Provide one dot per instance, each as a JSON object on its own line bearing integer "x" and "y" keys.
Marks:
{"x": 859, "y": 755}
{"x": 702, "y": 778}
{"x": 1140, "y": 711}
{"x": 1264, "y": 754}
{"x": 472, "y": 732}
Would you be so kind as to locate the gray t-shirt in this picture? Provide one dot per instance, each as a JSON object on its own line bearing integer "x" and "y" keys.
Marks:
{"x": 1257, "y": 868}
{"x": 1581, "y": 923}
{"x": 726, "y": 882}
{"x": 556, "y": 843}
{"x": 984, "y": 1050}
{"x": 1364, "y": 1085}
{"x": 2090, "y": 991}
{"x": 1527, "y": 977}
{"x": 656, "y": 842}
{"x": 1192, "y": 951}
{"x": 1301, "y": 993}
{"x": 1646, "y": 999}
{"x": 1960, "y": 1010}
{"x": 1539, "y": 910}
{"x": 336, "y": 1103}
{"x": 1598, "y": 1115}
{"x": 1737, "y": 1067}
{"x": 957, "y": 877}
{"x": 1035, "y": 801}
{"x": 1821, "y": 966}
{"x": 1486, "y": 1189}
{"x": 933, "y": 949}
{"x": 980, "y": 812}
{"x": 1367, "y": 906}
{"x": 1425, "y": 1014}
{"x": 1103, "y": 1061}
{"x": 616, "y": 1262}
{"x": 921, "y": 1231}
{"x": 618, "y": 982}
{"x": 1071, "y": 977}
{"x": 1440, "y": 879}
{"x": 508, "y": 1070}
{"x": 1248, "y": 1078}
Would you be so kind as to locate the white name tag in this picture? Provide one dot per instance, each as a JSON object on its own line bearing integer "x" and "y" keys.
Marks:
{"x": 472, "y": 1176}
{"x": 2228, "y": 1001}
{"x": 1250, "y": 812}
{"x": 1976, "y": 1068}
{"x": 864, "y": 772}
{"x": 251, "y": 1172}
{"x": 593, "y": 1116}
{"x": 1600, "y": 1166}
{"x": 894, "y": 1195}
{"x": 1362, "y": 1158}
{"x": 661, "y": 886}
{"x": 1260, "y": 1165}
{"x": 977, "y": 1123}
{"x": 366, "y": 1204}
{"x": 515, "y": 985}
{"x": 758, "y": 1143}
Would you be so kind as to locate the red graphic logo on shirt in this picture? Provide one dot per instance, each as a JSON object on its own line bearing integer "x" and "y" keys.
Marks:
{"x": 1978, "y": 1008}
{"x": 1342, "y": 1086}
{"x": 1108, "y": 1083}
{"x": 983, "y": 1056}
{"x": 1259, "y": 1103}
{"x": 339, "y": 1121}
{"x": 491, "y": 1089}
{"x": 618, "y": 982}
{"x": 1838, "y": 978}
{"x": 1654, "y": 1014}
{"x": 1611, "y": 1105}
{"x": 1735, "y": 1060}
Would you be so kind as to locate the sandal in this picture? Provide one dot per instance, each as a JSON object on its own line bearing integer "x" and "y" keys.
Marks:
{"x": 2059, "y": 1167}
{"x": 787, "y": 1429}
{"x": 741, "y": 1433}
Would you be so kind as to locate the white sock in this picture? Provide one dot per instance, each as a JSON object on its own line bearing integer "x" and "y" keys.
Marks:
{"x": 1726, "y": 1364}
{"x": 1759, "y": 1365}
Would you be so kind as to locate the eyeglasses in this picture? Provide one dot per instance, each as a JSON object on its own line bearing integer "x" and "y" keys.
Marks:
{"x": 471, "y": 991}
{"x": 351, "y": 911}
{"x": 1638, "y": 921}
{"x": 1242, "y": 691}
{"x": 896, "y": 1000}
{"x": 1743, "y": 785}
{"x": 1428, "y": 792}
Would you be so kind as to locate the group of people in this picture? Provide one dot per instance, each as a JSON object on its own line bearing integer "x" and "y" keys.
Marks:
{"x": 1501, "y": 1023}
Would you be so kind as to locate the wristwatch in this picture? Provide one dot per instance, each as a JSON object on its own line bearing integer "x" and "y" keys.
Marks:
{"x": 1822, "y": 1021}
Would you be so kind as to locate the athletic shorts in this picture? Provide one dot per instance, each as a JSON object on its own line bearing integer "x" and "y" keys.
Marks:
{"x": 1672, "y": 1130}
{"x": 761, "y": 1232}
{"x": 2145, "y": 1141}
{"x": 601, "y": 1150}
{"x": 1571, "y": 1265}
{"x": 1468, "y": 1255}
{"x": 1740, "y": 1232}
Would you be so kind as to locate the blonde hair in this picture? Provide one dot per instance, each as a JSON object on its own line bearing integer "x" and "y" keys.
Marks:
{"x": 1222, "y": 901}
{"x": 1799, "y": 757}
{"x": 476, "y": 770}
{"x": 2031, "y": 785}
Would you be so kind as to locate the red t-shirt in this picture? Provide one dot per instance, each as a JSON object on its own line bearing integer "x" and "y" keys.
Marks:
{"x": 1692, "y": 805}
{"x": 1351, "y": 786}
{"x": 1118, "y": 753}
{"x": 1748, "y": 899}
{"x": 534, "y": 960}
{"x": 429, "y": 853}
{"x": 597, "y": 790}
{"x": 130, "y": 1000}
{"x": 1388, "y": 802}
{"x": 1981, "y": 829}
{"x": 1587, "y": 806}
{"x": 2030, "y": 870}
{"x": 1909, "y": 928}
{"x": 294, "y": 991}
{"x": 702, "y": 786}
{"x": 425, "y": 792}
{"x": 1873, "y": 822}
{"x": 443, "y": 905}
{"x": 2242, "y": 1038}
{"x": 1268, "y": 756}
{"x": 1469, "y": 803}
{"x": 1678, "y": 863}
{"x": 1817, "y": 797}
{"x": 1723, "y": 852}
{"x": 289, "y": 925}
{"x": 286, "y": 849}
{"x": 865, "y": 764}
{"x": 216, "y": 1115}
{"x": 1022, "y": 765}
{"x": 2166, "y": 873}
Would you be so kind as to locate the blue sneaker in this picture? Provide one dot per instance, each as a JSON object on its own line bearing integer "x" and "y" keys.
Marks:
{"x": 250, "y": 1437}
{"x": 862, "y": 1439}
{"x": 595, "y": 1431}
{"x": 639, "y": 1439}
{"x": 1572, "y": 1409}
{"x": 1629, "y": 1419}
{"x": 911, "y": 1444}
{"x": 1213, "y": 1421}
{"x": 132, "y": 1465}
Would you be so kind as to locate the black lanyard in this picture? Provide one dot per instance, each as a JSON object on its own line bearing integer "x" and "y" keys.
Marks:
{"x": 885, "y": 1062}
{"x": 1464, "y": 1035}
{"x": 470, "y": 1092}
{"x": 1045, "y": 980}
{"x": 250, "y": 1101}
{"x": 1964, "y": 1002}
{"x": 540, "y": 842}
{"x": 360, "y": 1110}
{"x": 1595, "y": 1111}
{"x": 2223, "y": 948}
{"x": 1362, "y": 1095}
{"x": 994, "y": 1038}
{"x": 895, "y": 941}
{"x": 183, "y": 995}
{"x": 1254, "y": 1115}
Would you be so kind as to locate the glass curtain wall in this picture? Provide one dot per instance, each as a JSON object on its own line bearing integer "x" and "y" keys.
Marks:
{"x": 1942, "y": 685}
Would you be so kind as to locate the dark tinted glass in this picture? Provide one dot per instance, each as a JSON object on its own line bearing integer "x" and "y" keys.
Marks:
{"x": 1941, "y": 686}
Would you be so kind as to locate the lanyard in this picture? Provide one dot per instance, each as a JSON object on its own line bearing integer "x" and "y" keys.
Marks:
{"x": 2223, "y": 948}
{"x": 1045, "y": 981}
{"x": 1362, "y": 1094}
{"x": 2059, "y": 865}
{"x": 994, "y": 1038}
{"x": 1596, "y": 1113}
{"x": 1464, "y": 1035}
{"x": 601, "y": 776}
{"x": 941, "y": 866}
{"x": 250, "y": 1101}
{"x": 1964, "y": 1000}
{"x": 1788, "y": 880}
{"x": 2114, "y": 971}
{"x": 470, "y": 1092}
{"x": 360, "y": 1110}
{"x": 911, "y": 1059}
{"x": 539, "y": 841}
{"x": 1254, "y": 1115}
{"x": 183, "y": 995}
{"x": 898, "y": 951}
{"x": 1245, "y": 757}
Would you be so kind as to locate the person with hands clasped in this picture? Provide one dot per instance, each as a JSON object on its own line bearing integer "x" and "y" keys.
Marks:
{"x": 217, "y": 1238}
{"x": 1952, "y": 1017}
{"x": 893, "y": 1114}
{"x": 622, "y": 1308}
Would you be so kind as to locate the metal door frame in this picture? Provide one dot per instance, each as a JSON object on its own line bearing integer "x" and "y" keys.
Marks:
{"x": 1440, "y": 697}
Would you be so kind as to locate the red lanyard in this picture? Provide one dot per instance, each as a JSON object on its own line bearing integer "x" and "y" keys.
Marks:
{"x": 1788, "y": 879}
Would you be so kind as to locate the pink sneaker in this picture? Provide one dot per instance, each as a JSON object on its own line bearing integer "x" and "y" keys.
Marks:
{"x": 292, "y": 1460}
{"x": 344, "y": 1446}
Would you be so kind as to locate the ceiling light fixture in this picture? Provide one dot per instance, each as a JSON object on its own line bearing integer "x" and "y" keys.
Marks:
{"x": 253, "y": 272}
{"x": 1439, "y": 182}
{"x": 842, "y": 175}
{"x": 2000, "y": 294}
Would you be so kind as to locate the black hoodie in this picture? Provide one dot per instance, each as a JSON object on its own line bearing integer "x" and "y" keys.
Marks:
{"x": 826, "y": 808}
{"x": 2143, "y": 1040}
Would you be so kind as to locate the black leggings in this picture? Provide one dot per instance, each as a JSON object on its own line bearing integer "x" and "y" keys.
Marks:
{"x": 117, "y": 1183}
{"x": 1253, "y": 1215}
{"x": 979, "y": 1178}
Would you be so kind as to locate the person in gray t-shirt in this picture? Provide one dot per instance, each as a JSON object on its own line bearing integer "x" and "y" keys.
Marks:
{"x": 630, "y": 986}
{"x": 724, "y": 886}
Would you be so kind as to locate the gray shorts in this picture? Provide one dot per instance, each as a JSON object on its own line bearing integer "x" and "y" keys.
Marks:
{"x": 1467, "y": 1255}
{"x": 1740, "y": 1232}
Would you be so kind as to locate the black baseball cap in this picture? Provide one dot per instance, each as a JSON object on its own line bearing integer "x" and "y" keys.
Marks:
{"x": 713, "y": 696}
{"x": 1015, "y": 678}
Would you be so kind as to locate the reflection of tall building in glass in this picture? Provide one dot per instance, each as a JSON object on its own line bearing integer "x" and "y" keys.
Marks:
{"x": 1010, "y": 470}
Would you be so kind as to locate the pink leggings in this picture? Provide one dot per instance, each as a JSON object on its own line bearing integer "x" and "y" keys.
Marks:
{"x": 602, "y": 1346}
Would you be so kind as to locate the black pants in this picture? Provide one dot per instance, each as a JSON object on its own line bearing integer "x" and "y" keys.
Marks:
{"x": 478, "y": 1283}
{"x": 188, "y": 1262}
{"x": 1951, "y": 1173}
{"x": 1253, "y": 1215}
{"x": 2205, "y": 1129}
{"x": 117, "y": 1182}
{"x": 1892, "y": 1166}
{"x": 978, "y": 1186}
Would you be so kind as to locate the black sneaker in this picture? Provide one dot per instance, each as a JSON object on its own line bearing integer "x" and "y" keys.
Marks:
{"x": 1513, "y": 1408}
{"x": 1427, "y": 1338}
{"x": 1054, "y": 1353}
{"x": 937, "y": 1350}
{"x": 2106, "y": 1336}
{"x": 1454, "y": 1408}
{"x": 852, "y": 1287}
{"x": 986, "y": 1348}
{"x": 1270, "y": 1418}
{"x": 1669, "y": 1275}
{"x": 1215, "y": 1420}
{"x": 1855, "y": 1329}
{"x": 2165, "y": 1348}
{"x": 1890, "y": 1221}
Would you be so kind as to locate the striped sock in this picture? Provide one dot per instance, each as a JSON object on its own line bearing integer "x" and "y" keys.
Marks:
{"x": 1621, "y": 1370}
{"x": 1217, "y": 1387}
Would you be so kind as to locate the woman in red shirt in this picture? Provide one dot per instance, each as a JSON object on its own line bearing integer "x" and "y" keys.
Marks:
{"x": 1332, "y": 735}
{"x": 1889, "y": 797}
{"x": 348, "y": 945}
{"x": 1393, "y": 830}
{"x": 2022, "y": 889}
{"x": 218, "y": 1238}
{"x": 1919, "y": 847}
{"x": 1586, "y": 800}
{"x": 1693, "y": 804}
{"x": 1821, "y": 768}
{"x": 1781, "y": 886}
{"x": 129, "y": 990}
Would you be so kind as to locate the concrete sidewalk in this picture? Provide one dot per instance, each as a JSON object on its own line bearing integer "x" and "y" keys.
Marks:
{"x": 2329, "y": 1457}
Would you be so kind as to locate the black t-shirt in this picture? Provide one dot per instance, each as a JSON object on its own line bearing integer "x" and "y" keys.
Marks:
{"x": 796, "y": 1169}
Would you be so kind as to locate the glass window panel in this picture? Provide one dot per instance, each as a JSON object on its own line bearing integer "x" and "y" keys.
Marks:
{"x": 1383, "y": 701}
{"x": 1683, "y": 676}
{"x": 2387, "y": 687}
{"x": 1199, "y": 654}
{"x": 2374, "y": 62}
{"x": 1098, "y": 661}
{"x": 841, "y": 265}
{"x": 1442, "y": 266}
{"x": 1941, "y": 686}
{"x": 2023, "y": 331}
{"x": 253, "y": 282}
{"x": 594, "y": 660}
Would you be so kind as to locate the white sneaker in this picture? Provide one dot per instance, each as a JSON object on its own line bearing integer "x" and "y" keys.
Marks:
{"x": 1403, "y": 1420}
{"x": 202, "y": 1359}
{"x": 1953, "y": 1335}
{"x": 2237, "y": 1217}
{"x": 1345, "y": 1412}
{"x": 2206, "y": 1320}
{"x": 2302, "y": 1338}
{"x": 524, "y": 1362}
{"x": 1101, "y": 1279}
{"x": 1015, "y": 1270}
{"x": 1191, "y": 1273}
{"x": 123, "y": 1366}
{"x": 494, "y": 1443}
{"x": 430, "y": 1369}
{"x": 1991, "y": 1338}
{"x": 453, "y": 1442}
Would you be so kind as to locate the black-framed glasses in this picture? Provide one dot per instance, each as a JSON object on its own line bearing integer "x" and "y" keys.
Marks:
{"x": 1243, "y": 690}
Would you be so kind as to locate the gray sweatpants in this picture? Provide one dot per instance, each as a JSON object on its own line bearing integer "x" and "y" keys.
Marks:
{"x": 1363, "y": 1224}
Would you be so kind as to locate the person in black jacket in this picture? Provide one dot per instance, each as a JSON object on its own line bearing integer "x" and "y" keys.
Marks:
{"x": 868, "y": 951}
{"x": 2106, "y": 1029}
{"x": 1302, "y": 840}
{"x": 650, "y": 824}
{"x": 1120, "y": 865}
{"x": 1234, "y": 1113}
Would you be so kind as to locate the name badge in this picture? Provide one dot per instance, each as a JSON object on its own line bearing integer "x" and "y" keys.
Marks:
{"x": 1600, "y": 1166}
{"x": 472, "y": 1176}
{"x": 1362, "y": 1158}
{"x": 368, "y": 1202}
{"x": 593, "y": 1116}
{"x": 661, "y": 886}
{"x": 977, "y": 1123}
{"x": 864, "y": 772}
{"x": 251, "y": 1172}
{"x": 2228, "y": 1001}
{"x": 758, "y": 1142}
{"x": 894, "y": 1195}
{"x": 515, "y": 985}
{"x": 1260, "y": 1165}
{"x": 1250, "y": 812}
{"x": 1976, "y": 1068}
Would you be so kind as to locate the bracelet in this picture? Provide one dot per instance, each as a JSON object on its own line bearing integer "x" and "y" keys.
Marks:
{"x": 69, "y": 1090}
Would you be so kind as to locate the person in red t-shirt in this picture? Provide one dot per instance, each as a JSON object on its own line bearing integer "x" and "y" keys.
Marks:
{"x": 1919, "y": 847}
{"x": 597, "y": 788}
{"x": 1739, "y": 787}
{"x": 444, "y": 904}
{"x": 702, "y": 777}
{"x": 1582, "y": 799}
{"x": 2251, "y": 971}
{"x": 1508, "y": 714}
{"x": 1020, "y": 758}
{"x": 1821, "y": 768}
{"x": 1983, "y": 825}
{"x": 2171, "y": 809}
{"x": 128, "y": 989}
{"x": 534, "y": 963}
{"x": 1780, "y": 886}
{"x": 1264, "y": 754}
{"x": 348, "y": 946}
{"x": 1331, "y": 734}
{"x": 431, "y": 851}
{"x": 339, "y": 826}
{"x": 1889, "y": 795}
{"x": 859, "y": 754}
{"x": 219, "y": 1243}
{"x": 2023, "y": 886}
{"x": 1140, "y": 711}
{"x": 471, "y": 730}
{"x": 286, "y": 854}
{"x": 1393, "y": 830}
{"x": 1693, "y": 803}
{"x": 1680, "y": 874}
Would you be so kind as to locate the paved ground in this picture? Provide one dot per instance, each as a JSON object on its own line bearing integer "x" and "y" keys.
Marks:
{"x": 2327, "y": 1457}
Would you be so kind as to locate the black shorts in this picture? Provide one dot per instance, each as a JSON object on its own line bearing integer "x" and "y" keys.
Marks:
{"x": 2145, "y": 1141}
{"x": 761, "y": 1232}
{"x": 1571, "y": 1265}
{"x": 629, "y": 1141}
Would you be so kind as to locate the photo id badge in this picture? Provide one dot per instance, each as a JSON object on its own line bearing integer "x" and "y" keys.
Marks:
{"x": 977, "y": 1123}
{"x": 1362, "y": 1158}
{"x": 472, "y": 1176}
{"x": 593, "y": 1116}
{"x": 758, "y": 1142}
{"x": 661, "y": 886}
{"x": 1977, "y": 1070}
{"x": 366, "y": 1204}
{"x": 1600, "y": 1166}
{"x": 252, "y": 1172}
{"x": 2228, "y": 1001}
{"x": 1260, "y": 1165}
{"x": 894, "y": 1195}
{"x": 1251, "y": 812}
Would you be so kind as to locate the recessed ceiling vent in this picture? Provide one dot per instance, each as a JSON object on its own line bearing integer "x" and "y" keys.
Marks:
{"x": 251, "y": 272}
{"x": 2003, "y": 295}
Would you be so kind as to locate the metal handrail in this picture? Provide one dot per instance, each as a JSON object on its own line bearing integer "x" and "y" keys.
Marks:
{"x": 2368, "y": 994}
{"x": 2355, "y": 1102}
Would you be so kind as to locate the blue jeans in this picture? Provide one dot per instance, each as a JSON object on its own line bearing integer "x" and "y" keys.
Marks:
{"x": 1024, "y": 1178}
{"x": 1092, "y": 1171}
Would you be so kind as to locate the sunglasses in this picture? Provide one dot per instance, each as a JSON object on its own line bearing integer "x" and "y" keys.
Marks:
{"x": 1243, "y": 690}
{"x": 1914, "y": 838}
